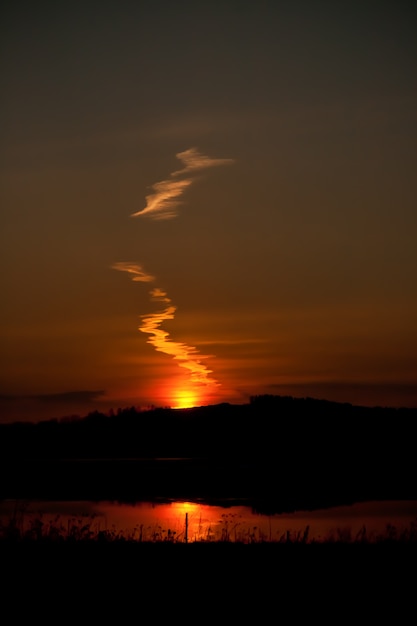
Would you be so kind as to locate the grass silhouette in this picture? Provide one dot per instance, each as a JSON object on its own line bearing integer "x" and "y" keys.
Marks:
{"x": 230, "y": 576}
{"x": 32, "y": 528}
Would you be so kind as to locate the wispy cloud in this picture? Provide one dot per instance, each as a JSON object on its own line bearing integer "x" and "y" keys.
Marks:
{"x": 136, "y": 271}
{"x": 194, "y": 160}
{"x": 188, "y": 357}
{"x": 159, "y": 295}
{"x": 163, "y": 202}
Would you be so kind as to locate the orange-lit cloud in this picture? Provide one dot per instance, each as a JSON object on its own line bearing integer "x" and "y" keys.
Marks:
{"x": 194, "y": 160}
{"x": 188, "y": 357}
{"x": 162, "y": 203}
{"x": 138, "y": 274}
{"x": 159, "y": 294}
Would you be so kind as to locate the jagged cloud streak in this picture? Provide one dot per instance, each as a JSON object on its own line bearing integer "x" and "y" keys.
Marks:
{"x": 163, "y": 202}
{"x": 187, "y": 356}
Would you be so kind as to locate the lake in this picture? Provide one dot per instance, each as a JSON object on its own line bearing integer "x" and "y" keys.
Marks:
{"x": 183, "y": 521}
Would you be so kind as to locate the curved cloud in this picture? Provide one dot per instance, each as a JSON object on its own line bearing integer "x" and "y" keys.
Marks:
{"x": 162, "y": 203}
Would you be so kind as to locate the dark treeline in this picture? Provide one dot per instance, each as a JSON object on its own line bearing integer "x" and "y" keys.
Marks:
{"x": 267, "y": 425}
{"x": 298, "y": 448}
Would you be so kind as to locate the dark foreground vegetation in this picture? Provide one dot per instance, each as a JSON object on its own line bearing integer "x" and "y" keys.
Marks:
{"x": 82, "y": 551}
{"x": 227, "y": 580}
{"x": 403, "y": 545}
{"x": 20, "y": 531}
{"x": 275, "y": 454}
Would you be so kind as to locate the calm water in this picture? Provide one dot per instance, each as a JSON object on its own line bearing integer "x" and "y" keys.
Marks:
{"x": 194, "y": 522}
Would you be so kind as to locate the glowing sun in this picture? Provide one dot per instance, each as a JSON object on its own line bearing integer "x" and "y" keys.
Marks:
{"x": 185, "y": 399}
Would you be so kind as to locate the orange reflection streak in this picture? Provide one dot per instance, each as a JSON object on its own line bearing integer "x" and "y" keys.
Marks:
{"x": 191, "y": 520}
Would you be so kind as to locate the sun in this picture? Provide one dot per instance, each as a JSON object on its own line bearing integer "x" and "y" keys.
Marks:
{"x": 185, "y": 399}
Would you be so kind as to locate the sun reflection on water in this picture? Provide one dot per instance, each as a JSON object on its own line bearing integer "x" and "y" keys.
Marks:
{"x": 180, "y": 521}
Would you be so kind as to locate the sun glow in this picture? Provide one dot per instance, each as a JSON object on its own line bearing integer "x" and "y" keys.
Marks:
{"x": 185, "y": 399}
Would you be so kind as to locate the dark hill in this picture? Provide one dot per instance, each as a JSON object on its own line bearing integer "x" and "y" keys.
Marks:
{"x": 283, "y": 448}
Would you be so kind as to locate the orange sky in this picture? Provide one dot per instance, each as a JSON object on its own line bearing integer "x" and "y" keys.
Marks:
{"x": 203, "y": 205}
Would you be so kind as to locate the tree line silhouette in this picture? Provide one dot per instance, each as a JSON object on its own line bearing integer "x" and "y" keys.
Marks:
{"x": 271, "y": 449}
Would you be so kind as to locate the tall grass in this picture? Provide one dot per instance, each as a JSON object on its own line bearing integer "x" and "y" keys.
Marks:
{"x": 21, "y": 527}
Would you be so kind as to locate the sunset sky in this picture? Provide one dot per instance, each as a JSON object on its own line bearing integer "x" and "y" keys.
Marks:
{"x": 205, "y": 201}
